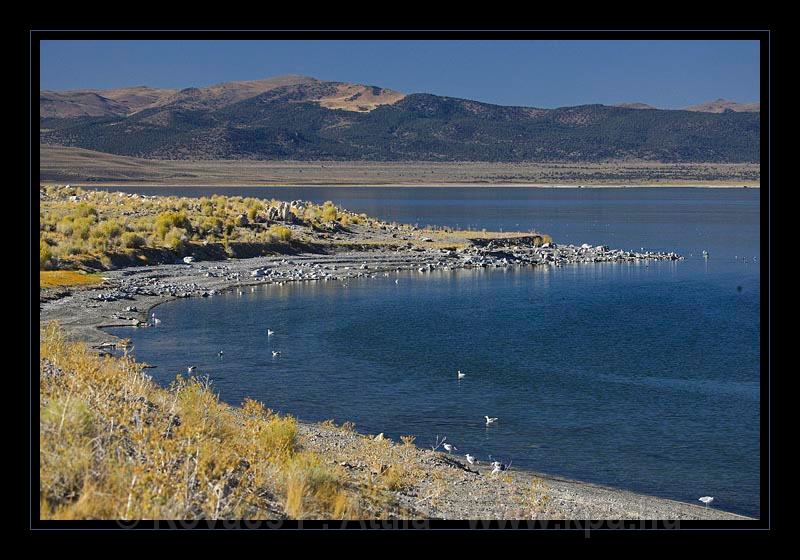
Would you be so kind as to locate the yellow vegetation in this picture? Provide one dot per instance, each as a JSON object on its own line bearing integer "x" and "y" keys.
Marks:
{"x": 113, "y": 445}
{"x": 77, "y": 225}
{"x": 59, "y": 278}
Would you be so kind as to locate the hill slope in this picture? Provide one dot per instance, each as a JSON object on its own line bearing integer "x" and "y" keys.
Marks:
{"x": 300, "y": 118}
{"x": 723, "y": 105}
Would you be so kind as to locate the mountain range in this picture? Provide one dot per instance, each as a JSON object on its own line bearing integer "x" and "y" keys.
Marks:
{"x": 302, "y": 118}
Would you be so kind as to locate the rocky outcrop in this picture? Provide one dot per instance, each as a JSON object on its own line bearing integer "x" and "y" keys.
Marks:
{"x": 282, "y": 213}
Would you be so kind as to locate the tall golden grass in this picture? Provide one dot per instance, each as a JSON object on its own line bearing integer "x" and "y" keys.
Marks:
{"x": 113, "y": 445}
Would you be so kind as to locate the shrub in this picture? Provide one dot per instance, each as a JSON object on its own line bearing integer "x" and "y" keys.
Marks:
{"x": 211, "y": 225}
{"x": 396, "y": 477}
{"x": 81, "y": 227}
{"x": 280, "y": 232}
{"x": 65, "y": 226}
{"x": 83, "y": 210}
{"x": 166, "y": 222}
{"x": 109, "y": 229}
{"x": 73, "y": 250}
{"x": 252, "y": 212}
{"x": 176, "y": 238}
{"x": 311, "y": 486}
{"x": 279, "y": 437}
{"x": 45, "y": 254}
{"x": 131, "y": 240}
{"x": 329, "y": 212}
{"x": 65, "y": 452}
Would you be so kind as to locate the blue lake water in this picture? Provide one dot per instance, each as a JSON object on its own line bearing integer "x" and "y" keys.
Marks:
{"x": 644, "y": 377}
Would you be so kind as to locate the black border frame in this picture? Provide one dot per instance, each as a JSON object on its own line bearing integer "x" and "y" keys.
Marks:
{"x": 576, "y": 528}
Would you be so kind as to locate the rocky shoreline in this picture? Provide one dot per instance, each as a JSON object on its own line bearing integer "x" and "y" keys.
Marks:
{"x": 126, "y": 295}
{"x": 450, "y": 488}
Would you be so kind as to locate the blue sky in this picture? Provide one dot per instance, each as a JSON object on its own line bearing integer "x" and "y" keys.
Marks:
{"x": 667, "y": 74}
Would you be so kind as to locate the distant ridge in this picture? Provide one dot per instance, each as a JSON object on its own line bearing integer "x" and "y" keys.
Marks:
{"x": 716, "y": 106}
{"x": 131, "y": 100}
{"x": 634, "y": 106}
{"x": 722, "y": 105}
{"x": 303, "y": 118}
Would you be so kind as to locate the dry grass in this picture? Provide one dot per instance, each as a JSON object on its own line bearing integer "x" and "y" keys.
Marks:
{"x": 113, "y": 445}
{"x": 538, "y": 501}
{"x": 65, "y": 278}
{"x": 77, "y": 226}
{"x": 390, "y": 468}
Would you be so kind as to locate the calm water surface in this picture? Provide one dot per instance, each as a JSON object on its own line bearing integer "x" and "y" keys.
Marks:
{"x": 644, "y": 377}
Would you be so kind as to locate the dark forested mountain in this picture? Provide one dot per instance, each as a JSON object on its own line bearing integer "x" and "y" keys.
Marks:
{"x": 294, "y": 117}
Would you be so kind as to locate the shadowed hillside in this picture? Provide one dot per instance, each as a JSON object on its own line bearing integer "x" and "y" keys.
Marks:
{"x": 294, "y": 117}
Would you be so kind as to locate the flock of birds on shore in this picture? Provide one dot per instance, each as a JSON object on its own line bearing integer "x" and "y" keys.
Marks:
{"x": 497, "y": 466}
